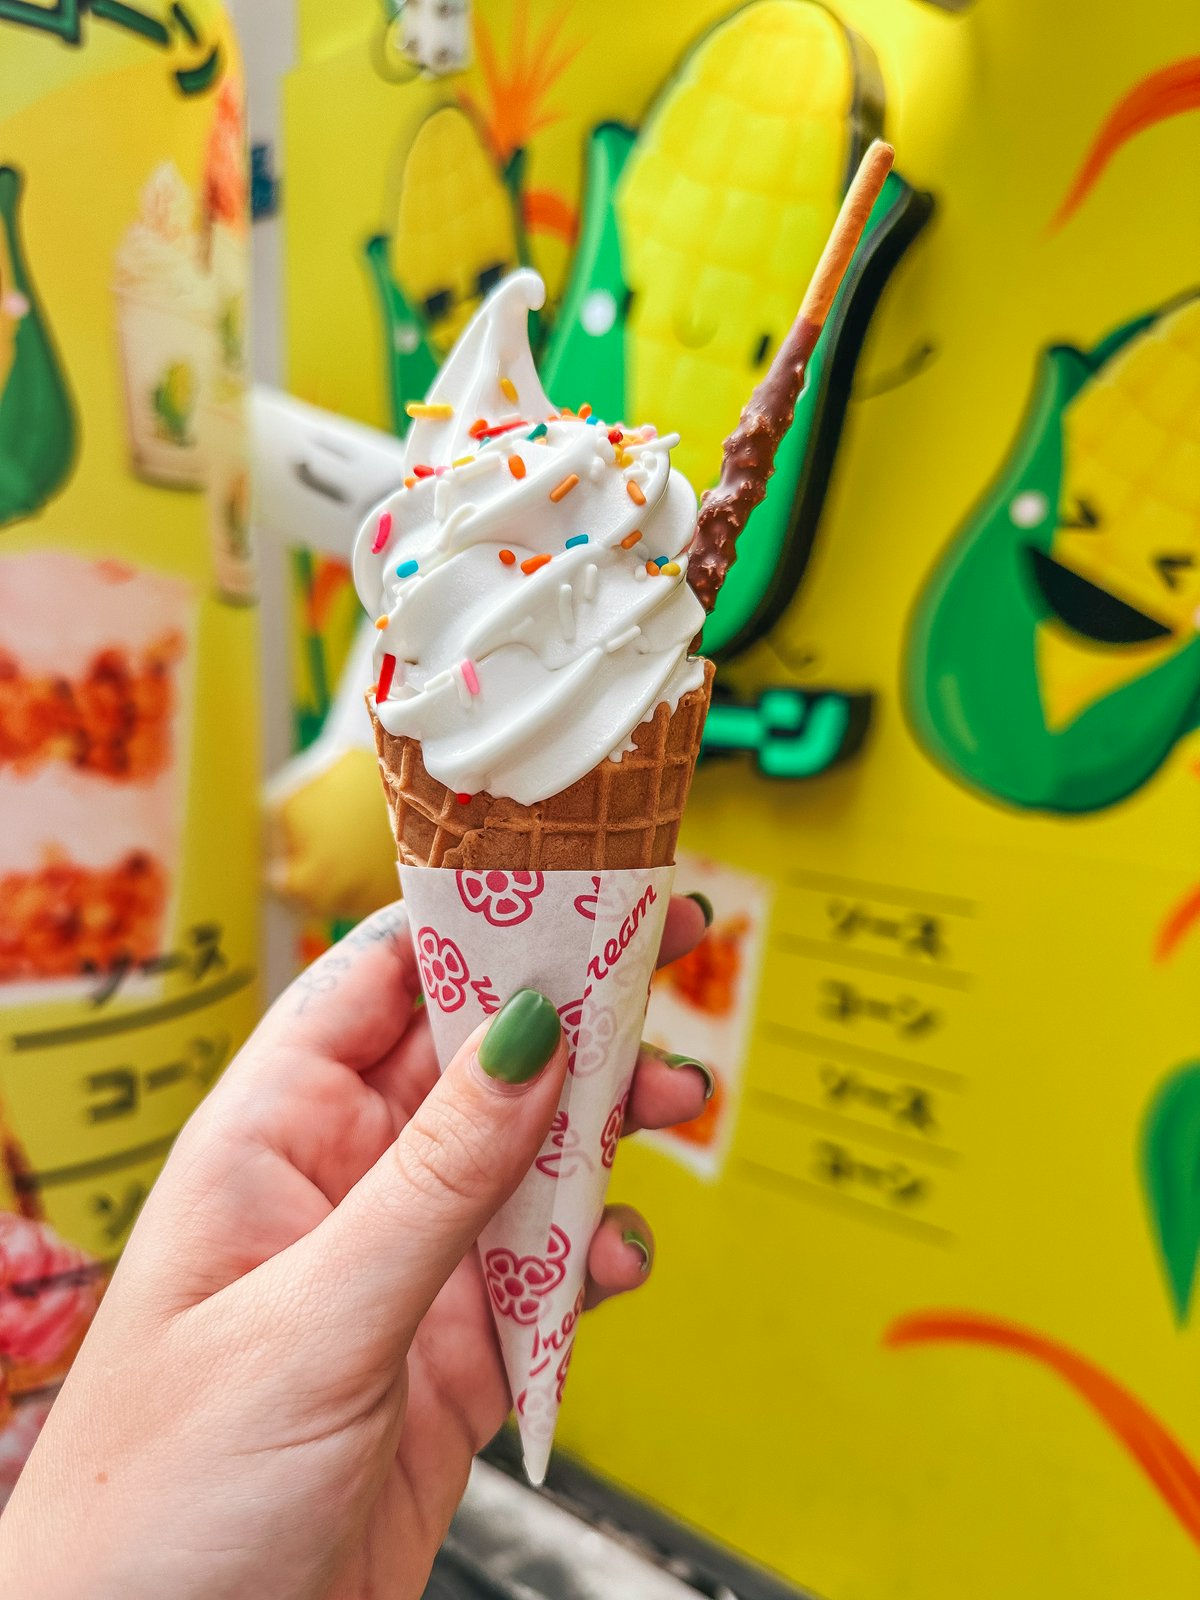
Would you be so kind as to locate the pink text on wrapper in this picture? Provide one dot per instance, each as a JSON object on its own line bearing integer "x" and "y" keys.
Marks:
{"x": 557, "y": 1338}
{"x": 614, "y": 949}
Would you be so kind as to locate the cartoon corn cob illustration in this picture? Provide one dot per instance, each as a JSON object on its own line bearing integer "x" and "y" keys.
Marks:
{"x": 454, "y": 238}
{"x": 698, "y": 237}
{"x": 1055, "y": 659}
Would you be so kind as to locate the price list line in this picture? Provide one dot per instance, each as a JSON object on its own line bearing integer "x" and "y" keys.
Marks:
{"x": 818, "y": 1044}
{"x": 838, "y": 1122}
{"x": 130, "y": 1021}
{"x": 33, "y": 1182}
{"x": 866, "y": 961}
{"x": 832, "y": 1200}
{"x": 892, "y": 894}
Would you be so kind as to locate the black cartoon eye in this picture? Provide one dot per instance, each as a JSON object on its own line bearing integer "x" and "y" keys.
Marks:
{"x": 1085, "y": 517}
{"x": 437, "y": 305}
{"x": 489, "y": 277}
{"x": 761, "y": 351}
{"x": 1169, "y": 568}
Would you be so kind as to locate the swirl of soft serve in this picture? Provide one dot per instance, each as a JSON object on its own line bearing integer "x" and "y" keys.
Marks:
{"x": 530, "y": 580}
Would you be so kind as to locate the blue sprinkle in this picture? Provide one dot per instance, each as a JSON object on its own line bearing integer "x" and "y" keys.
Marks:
{"x": 538, "y": 433}
{"x": 592, "y": 421}
{"x": 579, "y": 538}
{"x": 406, "y": 569}
{"x": 661, "y": 561}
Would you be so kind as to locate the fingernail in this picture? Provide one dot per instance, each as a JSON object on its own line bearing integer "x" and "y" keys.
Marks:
{"x": 673, "y": 1061}
{"x": 633, "y": 1237}
{"x": 705, "y": 905}
{"x": 523, "y": 1036}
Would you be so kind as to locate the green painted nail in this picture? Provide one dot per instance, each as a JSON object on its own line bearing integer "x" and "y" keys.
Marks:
{"x": 633, "y": 1237}
{"x": 705, "y": 905}
{"x": 673, "y": 1061}
{"x": 523, "y": 1036}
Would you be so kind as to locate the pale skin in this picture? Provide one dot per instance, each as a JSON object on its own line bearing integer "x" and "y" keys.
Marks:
{"x": 283, "y": 1389}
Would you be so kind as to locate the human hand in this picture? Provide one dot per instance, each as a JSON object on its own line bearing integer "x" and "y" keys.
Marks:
{"x": 295, "y": 1362}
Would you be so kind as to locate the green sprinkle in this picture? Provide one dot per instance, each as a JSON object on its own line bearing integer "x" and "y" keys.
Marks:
{"x": 538, "y": 433}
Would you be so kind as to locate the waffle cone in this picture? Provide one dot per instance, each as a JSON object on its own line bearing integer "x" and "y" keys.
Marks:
{"x": 621, "y": 814}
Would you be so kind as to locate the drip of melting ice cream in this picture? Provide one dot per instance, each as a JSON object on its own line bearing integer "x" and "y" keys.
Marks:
{"x": 530, "y": 580}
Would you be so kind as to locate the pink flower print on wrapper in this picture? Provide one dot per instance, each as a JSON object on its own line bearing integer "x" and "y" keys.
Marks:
{"x": 611, "y": 1136}
{"x": 518, "y": 1284}
{"x": 587, "y": 1042}
{"x": 443, "y": 970}
{"x": 503, "y": 898}
{"x": 538, "y": 1411}
{"x": 563, "y": 1154}
{"x": 48, "y": 1292}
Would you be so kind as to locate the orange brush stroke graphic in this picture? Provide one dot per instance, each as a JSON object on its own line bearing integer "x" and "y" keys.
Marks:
{"x": 1161, "y": 1458}
{"x": 547, "y": 212}
{"x": 1163, "y": 94}
{"x": 1176, "y": 924}
{"x": 517, "y": 90}
{"x": 330, "y": 579}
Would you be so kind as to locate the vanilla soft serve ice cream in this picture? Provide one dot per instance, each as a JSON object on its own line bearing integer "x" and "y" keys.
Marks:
{"x": 530, "y": 580}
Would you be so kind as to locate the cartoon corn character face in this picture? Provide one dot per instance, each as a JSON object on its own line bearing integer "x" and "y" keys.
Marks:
{"x": 725, "y": 204}
{"x": 1055, "y": 659}
{"x": 455, "y": 235}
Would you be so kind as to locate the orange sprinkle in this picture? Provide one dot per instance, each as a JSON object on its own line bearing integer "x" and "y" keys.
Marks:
{"x": 381, "y": 623}
{"x": 566, "y": 412}
{"x": 634, "y": 490}
{"x": 585, "y": 410}
{"x": 516, "y": 466}
{"x": 408, "y": 482}
{"x": 477, "y": 427}
{"x": 508, "y": 388}
{"x": 507, "y": 557}
{"x": 630, "y": 539}
{"x": 652, "y": 568}
{"x": 533, "y": 564}
{"x": 561, "y": 490}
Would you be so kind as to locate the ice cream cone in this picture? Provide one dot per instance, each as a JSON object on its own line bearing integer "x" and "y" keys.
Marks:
{"x": 537, "y": 716}
{"x": 621, "y": 814}
{"x": 588, "y": 941}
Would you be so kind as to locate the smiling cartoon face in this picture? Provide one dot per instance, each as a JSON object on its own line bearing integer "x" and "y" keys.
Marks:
{"x": 1121, "y": 580}
{"x": 1055, "y": 656}
{"x": 725, "y": 205}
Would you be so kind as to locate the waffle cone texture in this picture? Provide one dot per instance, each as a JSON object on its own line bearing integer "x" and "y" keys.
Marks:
{"x": 621, "y": 814}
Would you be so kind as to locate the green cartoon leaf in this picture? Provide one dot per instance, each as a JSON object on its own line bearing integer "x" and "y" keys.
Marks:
{"x": 1171, "y": 1175}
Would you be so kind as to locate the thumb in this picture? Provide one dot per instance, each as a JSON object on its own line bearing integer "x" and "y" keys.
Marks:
{"x": 394, "y": 1240}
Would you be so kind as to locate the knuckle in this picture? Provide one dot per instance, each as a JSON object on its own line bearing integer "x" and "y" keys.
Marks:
{"x": 445, "y": 1157}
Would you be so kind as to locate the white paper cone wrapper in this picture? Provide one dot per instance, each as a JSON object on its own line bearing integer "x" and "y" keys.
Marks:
{"x": 588, "y": 941}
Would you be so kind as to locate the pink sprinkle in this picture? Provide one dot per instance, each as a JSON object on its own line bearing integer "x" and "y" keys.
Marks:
{"x": 469, "y": 676}
{"x": 383, "y": 532}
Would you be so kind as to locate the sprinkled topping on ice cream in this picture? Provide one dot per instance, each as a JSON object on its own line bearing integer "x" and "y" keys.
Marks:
{"x": 529, "y": 581}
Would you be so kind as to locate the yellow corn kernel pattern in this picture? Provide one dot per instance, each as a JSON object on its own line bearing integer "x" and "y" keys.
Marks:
{"x": 454, "y": 222}
{"x": 724, "y": 207}
{"x": 1132, "y": 459}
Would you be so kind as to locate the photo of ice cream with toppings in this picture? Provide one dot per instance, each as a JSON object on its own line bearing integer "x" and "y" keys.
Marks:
{"x": 92, "y": 778}
{"x": 165, "y": 332}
